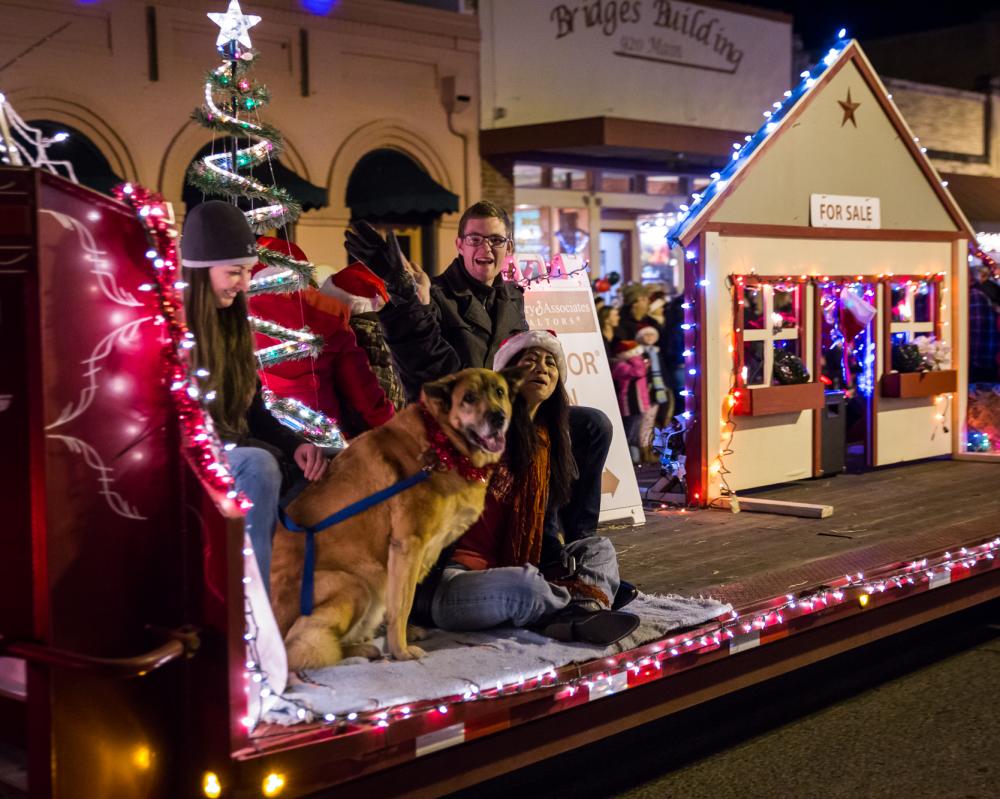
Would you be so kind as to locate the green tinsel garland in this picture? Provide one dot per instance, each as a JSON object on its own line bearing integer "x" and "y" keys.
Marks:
{"x": 241, "y": 130}
{"x": 280, "y": 259}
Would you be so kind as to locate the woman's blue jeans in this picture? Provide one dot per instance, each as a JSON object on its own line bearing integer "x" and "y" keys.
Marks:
{"x": 258, "y": 476}
{"x": 518, "y": 595}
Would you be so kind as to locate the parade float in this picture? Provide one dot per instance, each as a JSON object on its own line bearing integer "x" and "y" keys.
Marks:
{"x": 137, "y": 657}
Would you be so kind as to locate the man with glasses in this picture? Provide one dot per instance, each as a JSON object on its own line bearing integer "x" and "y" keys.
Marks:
{"x": 459, "y": 319}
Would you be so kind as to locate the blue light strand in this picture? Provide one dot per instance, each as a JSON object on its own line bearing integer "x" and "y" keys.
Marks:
{"x": 773, "y": 117}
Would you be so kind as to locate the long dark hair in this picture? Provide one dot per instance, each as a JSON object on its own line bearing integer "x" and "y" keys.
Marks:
{"x": 522, "y": 440}
{"x": 224, "y": 346}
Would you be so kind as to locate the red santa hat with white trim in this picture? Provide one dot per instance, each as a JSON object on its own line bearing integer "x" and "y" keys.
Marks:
{"x": 519, "y": 342}
{"x": 358, "y": 287}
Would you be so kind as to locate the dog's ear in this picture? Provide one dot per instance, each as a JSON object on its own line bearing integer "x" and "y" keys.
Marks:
{"x": 440, "y": 390}
{"x": 515, "y": 377}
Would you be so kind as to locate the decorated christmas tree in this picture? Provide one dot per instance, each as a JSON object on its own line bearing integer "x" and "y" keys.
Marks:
{"x": 240, "y": 169}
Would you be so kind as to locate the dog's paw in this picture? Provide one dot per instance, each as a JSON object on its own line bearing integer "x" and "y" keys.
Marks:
{"x": 410, "y": 653}
{"x": 369, "y": 651}
{"x": 415, "y": 633}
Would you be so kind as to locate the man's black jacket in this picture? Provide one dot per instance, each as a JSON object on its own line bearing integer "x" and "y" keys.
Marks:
{"x": 462, "y": 327}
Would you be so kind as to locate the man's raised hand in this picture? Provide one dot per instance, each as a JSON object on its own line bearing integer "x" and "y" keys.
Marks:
{"x": 382, "y": 256}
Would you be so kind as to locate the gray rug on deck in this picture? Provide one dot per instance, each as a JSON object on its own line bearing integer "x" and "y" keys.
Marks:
{"x": 456, "y": 662}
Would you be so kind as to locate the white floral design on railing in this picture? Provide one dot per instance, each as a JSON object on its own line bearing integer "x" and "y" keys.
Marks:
{"x": 104, "y": 475}
{"x": 124, "y": 335}
{"x": 102, "y": 265}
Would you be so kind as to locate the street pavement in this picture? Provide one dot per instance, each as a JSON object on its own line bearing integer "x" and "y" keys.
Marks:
{"x": 915, "y": 716}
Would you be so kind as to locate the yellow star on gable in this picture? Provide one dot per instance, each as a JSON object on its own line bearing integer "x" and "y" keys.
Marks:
{"x": 849, "y": 109}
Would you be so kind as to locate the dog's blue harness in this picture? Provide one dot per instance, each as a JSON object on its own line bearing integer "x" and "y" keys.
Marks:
{"x": 309, "y": 563}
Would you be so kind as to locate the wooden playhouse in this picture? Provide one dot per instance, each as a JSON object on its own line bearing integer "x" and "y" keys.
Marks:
{"x": 828, "y": 231}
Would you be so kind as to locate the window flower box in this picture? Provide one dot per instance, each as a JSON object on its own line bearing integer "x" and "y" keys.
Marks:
{"x": 771, "y": 400}
{"x": 904, "y": 385}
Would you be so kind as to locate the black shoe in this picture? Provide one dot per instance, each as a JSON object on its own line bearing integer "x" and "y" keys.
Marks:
{"x": 626, "y": 593}
{"x": 598, "y": 627}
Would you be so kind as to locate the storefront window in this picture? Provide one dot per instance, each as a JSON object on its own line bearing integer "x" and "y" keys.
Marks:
{"x": 663, "y": 184}
{"x": 659, "y": 265}
{"x": 532, "y": 231}
{"x": 528, "y": 176}
{"x": 576, "y": 179}
{"x": 572, "y": 233}
{"x": 622, "y": 182}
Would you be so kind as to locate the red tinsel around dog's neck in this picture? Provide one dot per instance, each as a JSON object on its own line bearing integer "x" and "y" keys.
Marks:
{"x": 447, "y": 455}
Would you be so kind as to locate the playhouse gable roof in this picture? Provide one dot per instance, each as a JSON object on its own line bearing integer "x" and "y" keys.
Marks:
{"x": 838, "y": 133}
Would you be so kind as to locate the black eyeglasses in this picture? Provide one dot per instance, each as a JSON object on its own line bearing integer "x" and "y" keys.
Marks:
{"x": 475, "y": 240}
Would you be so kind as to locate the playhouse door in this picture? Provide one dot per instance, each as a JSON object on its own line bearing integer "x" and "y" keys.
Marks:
{"x": 848, "y": 349}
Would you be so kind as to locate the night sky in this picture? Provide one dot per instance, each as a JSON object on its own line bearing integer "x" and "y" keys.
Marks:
{"x": 817, "y": 21}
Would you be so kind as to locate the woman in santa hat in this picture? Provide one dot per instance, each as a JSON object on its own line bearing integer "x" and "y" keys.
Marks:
{"x": 505, "y": 569}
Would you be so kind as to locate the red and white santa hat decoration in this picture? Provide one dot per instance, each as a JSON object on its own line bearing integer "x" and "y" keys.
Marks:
{"x": 358, "y": 287}
{"x": 519, "y": 342}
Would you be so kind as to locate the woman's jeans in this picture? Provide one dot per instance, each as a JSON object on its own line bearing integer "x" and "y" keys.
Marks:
{"x": 258, "y": 476}
{"x": 518, "y": 595}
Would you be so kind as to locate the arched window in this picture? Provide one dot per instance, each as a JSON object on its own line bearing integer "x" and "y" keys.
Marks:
{"x": 91, "y": 167}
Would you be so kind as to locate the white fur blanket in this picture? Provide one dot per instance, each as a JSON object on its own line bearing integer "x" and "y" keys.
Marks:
{"x": 456, "y": 662}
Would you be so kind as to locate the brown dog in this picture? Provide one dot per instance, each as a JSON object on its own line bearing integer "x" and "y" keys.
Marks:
{"x": 368, "y": 566}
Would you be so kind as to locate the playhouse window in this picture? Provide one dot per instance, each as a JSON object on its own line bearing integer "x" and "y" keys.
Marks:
{"x": 769, "y": 318}
{"x": 912, "y": 310}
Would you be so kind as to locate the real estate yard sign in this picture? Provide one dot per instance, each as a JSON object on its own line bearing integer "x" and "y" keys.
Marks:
{"x": 565, "y": 305}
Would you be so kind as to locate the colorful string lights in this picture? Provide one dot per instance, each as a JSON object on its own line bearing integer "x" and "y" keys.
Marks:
{"x": 201, "y": 446}
{"x": 732, "y": 633}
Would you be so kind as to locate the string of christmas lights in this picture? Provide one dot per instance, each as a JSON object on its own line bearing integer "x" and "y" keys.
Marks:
{"x": 199, "y": 442}
{"x": 773, "y": 116}
{"x": 734, "y": 630}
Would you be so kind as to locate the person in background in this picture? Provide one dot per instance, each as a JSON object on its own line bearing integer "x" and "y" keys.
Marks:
{"x": 985, "y": 283}
{"x": 608, "y": 318}
{"x": 629, "y": 374}
{"x": 635, "y": 311}
{"x": 218, "y": 251}
{"x": 984, "y": 347}
{"x": 338, "y": 382}
{"x": 504, "y": 569}
{"x": 661, "y": 398}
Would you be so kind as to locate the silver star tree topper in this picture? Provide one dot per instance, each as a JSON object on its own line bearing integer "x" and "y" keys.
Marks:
{"x": 234, "y": 25}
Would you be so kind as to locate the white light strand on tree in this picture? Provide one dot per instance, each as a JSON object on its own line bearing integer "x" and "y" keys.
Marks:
{"x": 229, "y": 91}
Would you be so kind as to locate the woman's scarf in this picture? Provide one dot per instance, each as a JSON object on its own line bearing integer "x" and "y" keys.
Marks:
{"x": 527, "y": 515}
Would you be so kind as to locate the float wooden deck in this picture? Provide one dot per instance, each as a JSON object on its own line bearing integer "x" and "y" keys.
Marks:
{"x": 882, "y": 521}
{"x": 879, "y": 516}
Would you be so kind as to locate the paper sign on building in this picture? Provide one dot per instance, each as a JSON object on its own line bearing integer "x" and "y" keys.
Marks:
{"x": 566, "y": 306}
{"x": 834, "y": 210}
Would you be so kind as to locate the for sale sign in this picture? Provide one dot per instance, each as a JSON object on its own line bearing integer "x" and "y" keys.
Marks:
{"x": 565, "y": 305}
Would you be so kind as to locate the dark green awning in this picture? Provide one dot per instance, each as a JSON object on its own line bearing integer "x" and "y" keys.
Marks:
{"x": 309, "y": 195}
{"x": 387, "y": 186}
